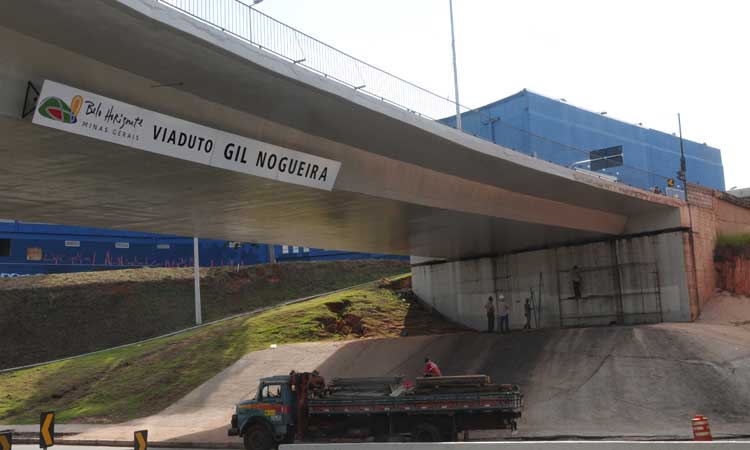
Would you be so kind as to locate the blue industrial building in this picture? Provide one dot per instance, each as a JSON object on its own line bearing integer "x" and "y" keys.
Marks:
{"x": 31, "y": 248}
{"x": 565, "y": 134}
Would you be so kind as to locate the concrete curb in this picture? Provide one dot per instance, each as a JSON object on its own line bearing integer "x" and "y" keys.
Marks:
{"x": 129, "y": 444}
{"x": 239, "y": 445}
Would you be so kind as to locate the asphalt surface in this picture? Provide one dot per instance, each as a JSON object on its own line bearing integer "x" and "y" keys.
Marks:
{"x": 641, "y": 382}
{"x": 568, "y": 445}
{"x": 90, "y": 447}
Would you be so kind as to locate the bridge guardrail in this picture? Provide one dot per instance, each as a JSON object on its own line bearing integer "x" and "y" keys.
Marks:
{"x": 267, "y": 33}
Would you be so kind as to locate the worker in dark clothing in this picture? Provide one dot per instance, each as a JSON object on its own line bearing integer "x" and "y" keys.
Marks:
{"x": 504, "y": 310}
{"x": 316, "y": 381}
{"x": 431, "y": 369}
{"x": 577, "y": 279}
{"x": 527, "y": 313}
{"x": 490, "y": 309}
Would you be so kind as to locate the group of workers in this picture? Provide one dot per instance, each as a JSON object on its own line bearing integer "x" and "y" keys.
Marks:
{"x": 576, "y": 278}
{"x": 504, "y": 310}
{"x": 432, "y": 370}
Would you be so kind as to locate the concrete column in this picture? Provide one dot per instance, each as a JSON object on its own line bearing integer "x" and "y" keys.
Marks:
{"x": 197, "y": 272}
{"x": 271, "y": 254}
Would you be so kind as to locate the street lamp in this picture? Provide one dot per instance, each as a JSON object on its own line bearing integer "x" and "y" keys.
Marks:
{"x": 455, "y": 68}
{"x": 250, "y": 6}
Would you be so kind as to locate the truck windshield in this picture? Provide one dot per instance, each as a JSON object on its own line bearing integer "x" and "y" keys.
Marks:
{"x": 270, "y": 391}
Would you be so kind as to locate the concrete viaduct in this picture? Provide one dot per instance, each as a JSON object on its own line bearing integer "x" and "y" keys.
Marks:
{"x": 407, "y": 185}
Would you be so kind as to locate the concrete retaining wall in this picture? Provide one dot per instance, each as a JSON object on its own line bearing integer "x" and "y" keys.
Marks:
{"x": 459, "y": 289}
{"x": 555, "y": 445}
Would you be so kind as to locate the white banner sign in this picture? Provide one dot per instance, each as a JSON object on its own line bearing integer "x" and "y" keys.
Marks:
{"x": 80, "y": 112}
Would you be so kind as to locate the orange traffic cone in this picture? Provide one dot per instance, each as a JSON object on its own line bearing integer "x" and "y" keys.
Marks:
{"x": 701, "y": 430}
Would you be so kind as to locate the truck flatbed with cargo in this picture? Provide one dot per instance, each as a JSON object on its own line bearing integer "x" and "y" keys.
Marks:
{"x": 302, "y": 407}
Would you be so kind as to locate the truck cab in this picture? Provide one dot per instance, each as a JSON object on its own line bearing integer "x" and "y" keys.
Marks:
{"x": 267, "y": 419}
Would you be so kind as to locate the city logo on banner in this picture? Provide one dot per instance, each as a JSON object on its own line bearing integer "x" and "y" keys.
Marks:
{"x": 56, "y": 109}
{"x": 95, "y": 116}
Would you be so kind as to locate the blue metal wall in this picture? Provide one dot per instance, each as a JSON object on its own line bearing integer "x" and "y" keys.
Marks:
{"x": 78, "y": 249}
{"x": 291, "y": 253}
{"x": 564, "y": 134}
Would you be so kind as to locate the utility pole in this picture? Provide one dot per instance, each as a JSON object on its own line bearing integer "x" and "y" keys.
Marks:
{"x": 197, "y": 273}
{"x": 271, "y": 254}
{"x": 253, "y": 3}
{"x": 455, "y": 68}
{"x": 682, "y": 175}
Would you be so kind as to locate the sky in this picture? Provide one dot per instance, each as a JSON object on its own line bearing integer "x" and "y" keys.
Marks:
{"x": 641, "y": 61}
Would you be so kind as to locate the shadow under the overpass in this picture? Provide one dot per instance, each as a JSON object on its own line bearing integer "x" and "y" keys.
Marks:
{"x": 608, "y": 381}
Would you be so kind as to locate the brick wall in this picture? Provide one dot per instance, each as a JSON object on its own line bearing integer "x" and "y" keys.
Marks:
{"x": 732, "y": 218}
{"x": 701, "y": 196}
{"x": 733, "y": 270}
{"x": 701, "y": 217}
{"x": 709, "y": 215}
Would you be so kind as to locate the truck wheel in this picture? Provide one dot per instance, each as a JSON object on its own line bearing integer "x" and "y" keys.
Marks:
{"x": 258, "y": 437}
{"x": 425, "y": 432}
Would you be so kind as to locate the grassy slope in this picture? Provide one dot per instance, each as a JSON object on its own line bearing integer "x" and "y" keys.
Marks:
{"x": 733, "y": 240}
{"x": 730, "y": 246}
{"x": 48, "y": 317}
{"x": 121, "y": 384}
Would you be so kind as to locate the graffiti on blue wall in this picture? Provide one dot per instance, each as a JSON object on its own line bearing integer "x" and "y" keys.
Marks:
{"x": 44, "y": 248}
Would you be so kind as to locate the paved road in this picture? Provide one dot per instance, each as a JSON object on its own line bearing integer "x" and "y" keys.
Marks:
{"x": 554, "y": 445}
{"x": 536, "y": 445}
{"x": 97, "y": 447}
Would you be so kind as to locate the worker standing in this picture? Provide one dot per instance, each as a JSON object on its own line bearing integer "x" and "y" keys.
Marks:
{"x": 504, "y": 314}
{"x": 431, "y": 369}
{"x": 527, "y": 313}
{"x": 490, "y": 308}
{"x": 577, "y": 279}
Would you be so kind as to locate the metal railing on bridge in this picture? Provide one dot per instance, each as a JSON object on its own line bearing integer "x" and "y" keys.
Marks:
{"x": 267, "y": 33}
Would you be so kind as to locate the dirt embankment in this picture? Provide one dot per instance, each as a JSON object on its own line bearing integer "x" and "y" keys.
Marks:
{"x": 734, "y": 275}
{"x": 53, "y": 316}
{"x": 727, "y": 309}
{"x": 732, "y": 262}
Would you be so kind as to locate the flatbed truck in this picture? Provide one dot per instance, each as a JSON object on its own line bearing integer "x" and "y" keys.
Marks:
{"x": 301, "y": 407}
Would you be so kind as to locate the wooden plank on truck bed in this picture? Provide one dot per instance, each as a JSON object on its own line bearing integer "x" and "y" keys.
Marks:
{"x": 512, "y": 403}
{"x": 461, "y": 380}
{"x": 365, "y": 381}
